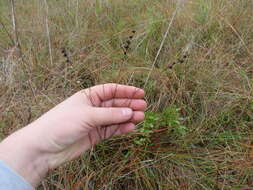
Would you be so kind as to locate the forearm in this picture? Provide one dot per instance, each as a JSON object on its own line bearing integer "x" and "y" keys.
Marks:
{"x": 21, "y": 153}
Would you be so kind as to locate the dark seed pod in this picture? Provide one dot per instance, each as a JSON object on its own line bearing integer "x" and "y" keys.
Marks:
{"x": 126, "y": 44}
{"x": 171, "y": 66}
{"x": 64, "y": 53}
{"x": 181, "y": 60}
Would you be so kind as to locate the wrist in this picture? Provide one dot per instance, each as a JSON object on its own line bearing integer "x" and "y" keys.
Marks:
{"x": 21, "y": 154}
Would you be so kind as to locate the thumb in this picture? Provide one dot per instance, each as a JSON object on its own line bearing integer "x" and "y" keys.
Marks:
{"x": 110, "y": 116}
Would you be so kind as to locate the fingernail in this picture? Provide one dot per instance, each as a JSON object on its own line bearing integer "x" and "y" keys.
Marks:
{"x": 127, "y": 111}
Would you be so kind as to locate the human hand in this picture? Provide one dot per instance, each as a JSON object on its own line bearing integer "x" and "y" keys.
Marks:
{"x": 72, "y": 127}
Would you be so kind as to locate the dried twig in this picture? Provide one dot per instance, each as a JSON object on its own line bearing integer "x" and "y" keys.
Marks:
{"x": 163, "y": 40}
{"x": 14, "y": 22}
{"x": 48, "y": 33}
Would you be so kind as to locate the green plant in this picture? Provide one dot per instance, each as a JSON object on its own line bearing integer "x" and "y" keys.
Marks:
{"x": 151, "y": 122}
{"x": 170, "y": 118}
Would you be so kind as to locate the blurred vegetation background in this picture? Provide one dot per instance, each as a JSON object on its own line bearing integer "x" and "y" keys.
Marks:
{"x": 194, "y": 58}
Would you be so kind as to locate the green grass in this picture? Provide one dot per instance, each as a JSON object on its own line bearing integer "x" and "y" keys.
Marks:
{"x": 198, "y": 129}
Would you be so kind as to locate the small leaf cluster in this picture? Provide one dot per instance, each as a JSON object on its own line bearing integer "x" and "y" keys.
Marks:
{"x": 170, "y": 118}
{"x": 154, "y": 120}
{"x": 151, "y": 122}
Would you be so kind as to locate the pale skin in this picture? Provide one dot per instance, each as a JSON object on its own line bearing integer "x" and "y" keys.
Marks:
{"x": 71, "y": 128}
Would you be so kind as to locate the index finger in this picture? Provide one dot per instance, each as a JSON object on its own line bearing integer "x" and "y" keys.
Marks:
{"x": 111, "y": 90}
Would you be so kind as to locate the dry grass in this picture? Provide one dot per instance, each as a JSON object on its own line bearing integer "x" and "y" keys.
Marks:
{"x": 203, "y": 65}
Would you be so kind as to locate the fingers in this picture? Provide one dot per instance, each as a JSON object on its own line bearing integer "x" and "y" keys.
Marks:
{"x": 109, "y": 116}
{"x": 138, "y": 116}
{"x": 114, "y": 130}
{"x": 120, "y": 129}
{"x": 99, "y": 134}
{"x": 134, "y": 104}
{"x": 109, "y": 91}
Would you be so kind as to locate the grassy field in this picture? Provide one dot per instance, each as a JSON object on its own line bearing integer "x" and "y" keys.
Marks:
{"x": 194, "y": 58}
